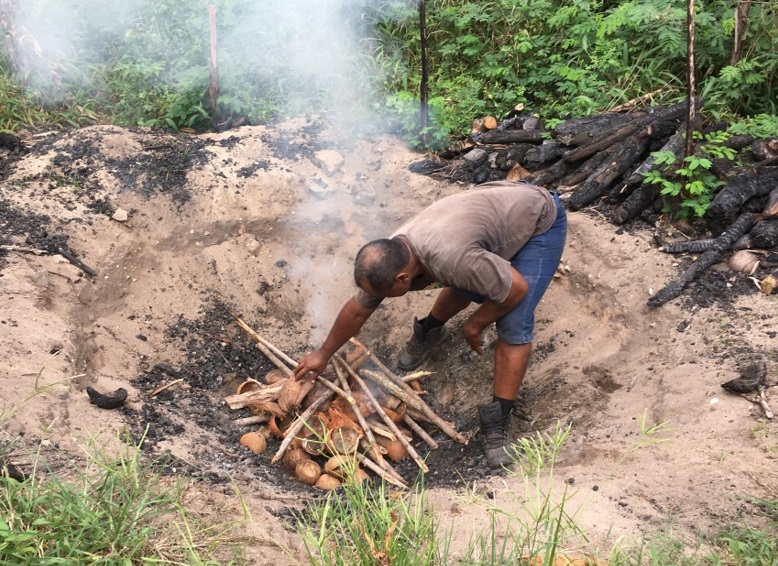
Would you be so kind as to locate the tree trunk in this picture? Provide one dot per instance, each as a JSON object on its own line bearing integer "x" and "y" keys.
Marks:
{"x": 742, "y": 12}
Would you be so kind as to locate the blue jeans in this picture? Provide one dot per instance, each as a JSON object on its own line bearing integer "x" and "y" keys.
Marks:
{"x": 537, "y": 262}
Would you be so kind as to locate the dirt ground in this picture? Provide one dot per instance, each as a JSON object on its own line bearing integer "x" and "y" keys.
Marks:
{"x": 265, "y": 223}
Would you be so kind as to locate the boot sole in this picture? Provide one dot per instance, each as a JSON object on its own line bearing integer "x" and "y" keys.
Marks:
{"x": 443, "y": 336}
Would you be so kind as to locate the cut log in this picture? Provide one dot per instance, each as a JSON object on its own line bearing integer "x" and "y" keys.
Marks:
{"x": 597, "y": 183}
{"x": 715, "y": 250}
{"x": 511, "y": 136}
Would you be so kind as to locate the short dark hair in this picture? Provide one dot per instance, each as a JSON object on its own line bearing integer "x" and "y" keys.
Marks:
{"x": 379, "y": 262}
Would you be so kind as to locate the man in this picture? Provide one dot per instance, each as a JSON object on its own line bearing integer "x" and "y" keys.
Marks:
{"x": 498, "y": 245}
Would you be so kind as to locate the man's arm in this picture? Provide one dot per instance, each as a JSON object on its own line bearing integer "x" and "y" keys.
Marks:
{"x": 348, "y": 322}
{"x": 491, "y": 311}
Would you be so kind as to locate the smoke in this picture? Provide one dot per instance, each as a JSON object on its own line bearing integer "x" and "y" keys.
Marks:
{"x": 300, "y": 50}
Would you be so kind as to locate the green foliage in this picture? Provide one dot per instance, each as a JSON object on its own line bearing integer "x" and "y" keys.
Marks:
{"x": 759, "y": 126}
{"x": 690, "y": 188}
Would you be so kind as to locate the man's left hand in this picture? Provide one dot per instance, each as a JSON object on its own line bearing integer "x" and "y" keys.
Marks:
{"x": 472, "y": 333}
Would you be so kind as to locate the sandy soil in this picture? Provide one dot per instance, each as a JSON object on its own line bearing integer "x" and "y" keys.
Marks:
{"x": 265, "y": 223}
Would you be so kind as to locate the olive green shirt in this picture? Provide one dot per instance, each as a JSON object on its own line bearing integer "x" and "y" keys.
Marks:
{"x": 466, "y": 240}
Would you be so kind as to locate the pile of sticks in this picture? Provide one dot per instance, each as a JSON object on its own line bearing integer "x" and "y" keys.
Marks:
{"x": 351, "y": 417}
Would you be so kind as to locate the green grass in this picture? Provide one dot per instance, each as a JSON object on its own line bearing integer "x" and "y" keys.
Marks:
{"x": 110, "y": 509}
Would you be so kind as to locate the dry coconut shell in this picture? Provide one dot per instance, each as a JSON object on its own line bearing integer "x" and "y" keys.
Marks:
{"x": 768, "y": 284}
{"x": 395, "y": 450}
{"x": 341, "y": 466}
{"x": 248, "y": 386}
{"x": 308, "y": 472}
{"x": 327, "y": 482}
{"x": 293, "y": 457}
{"x": 344, "y": 440}
{"x": 744, "y": 261}
{"x": 314, "y": 435}
{"x": 359, "y": 476}
{"x": 274, "y": 376}
{"x": 254, "y": 441}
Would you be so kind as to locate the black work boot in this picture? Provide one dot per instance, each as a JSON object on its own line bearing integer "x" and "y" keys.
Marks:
{"x": 494, "y": 427}
{"x": 418, "y": 347}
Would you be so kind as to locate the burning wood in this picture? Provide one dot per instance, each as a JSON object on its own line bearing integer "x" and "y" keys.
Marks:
{"x": 339, "y": 418}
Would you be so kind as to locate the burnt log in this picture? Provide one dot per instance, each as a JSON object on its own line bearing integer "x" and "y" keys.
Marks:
{"x": 510, "y": 136}
{"x": 647, "y": 124}
{"x": 640, "y": 199}
{"x": 738, "y": 142}
{"x": 506, "y": 158}
{"x": 728, "y": 202}
{"x": 581, "y": 130}
{"x": 599, "y": 181}
{"x": 550, "y": 175}
{"x": 542, "y": 154}
{"x": 674, "y": 144}
{"x": 589, "y": 166}
{"x": 765, "y": 149}
{"x": 714, "y": 250}
{"x": 764, "y": 235}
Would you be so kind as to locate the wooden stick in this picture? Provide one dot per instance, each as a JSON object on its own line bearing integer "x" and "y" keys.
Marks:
{"x": 418, "y": 403}
{"x": 382, "y": 414}
{"x": 252, "y": 420}
{"x": 763, "y": 403}
{"x": 23, "y": 250}
{"x": 360, "y": 417}
{"x": 368, "y": 463}
{"x": 413, "y": 400}
{"x": 161, "y": 388}
{"x": 299, "y": 423}
{"x": 420, "y": 432}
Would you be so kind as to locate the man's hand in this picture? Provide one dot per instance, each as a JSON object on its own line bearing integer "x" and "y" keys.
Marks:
{"x": 472, "y": 332}
{"x": 313, "y": 362}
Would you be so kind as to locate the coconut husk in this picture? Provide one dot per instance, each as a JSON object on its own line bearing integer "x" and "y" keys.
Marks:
{"x": 288, "y": 397}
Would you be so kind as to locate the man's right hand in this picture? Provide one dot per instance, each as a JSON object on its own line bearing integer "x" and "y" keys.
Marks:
{"x": 314, "y": 362}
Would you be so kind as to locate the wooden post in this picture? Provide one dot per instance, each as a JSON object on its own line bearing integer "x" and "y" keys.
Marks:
{"x": 213, "y": 85}
{"x": 691, "y": 109}
{"x": 424, "y": 116}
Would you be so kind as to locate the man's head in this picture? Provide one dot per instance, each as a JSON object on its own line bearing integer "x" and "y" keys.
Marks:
{"x": 381, "y": 268}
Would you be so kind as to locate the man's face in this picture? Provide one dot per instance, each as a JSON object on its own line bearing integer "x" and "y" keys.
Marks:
{"x": 401, "y": 285}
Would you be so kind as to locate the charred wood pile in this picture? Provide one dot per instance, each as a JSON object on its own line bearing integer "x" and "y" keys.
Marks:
{"x": 356, "y": 419}
{"x": 602, "y": 161}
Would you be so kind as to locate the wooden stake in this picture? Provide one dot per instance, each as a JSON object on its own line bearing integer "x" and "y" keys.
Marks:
{"x": 213, "y": 85}
{"x": 420, "y": 432}
{"x": 413, "y": 400}
{"x": 382, "y": 414}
